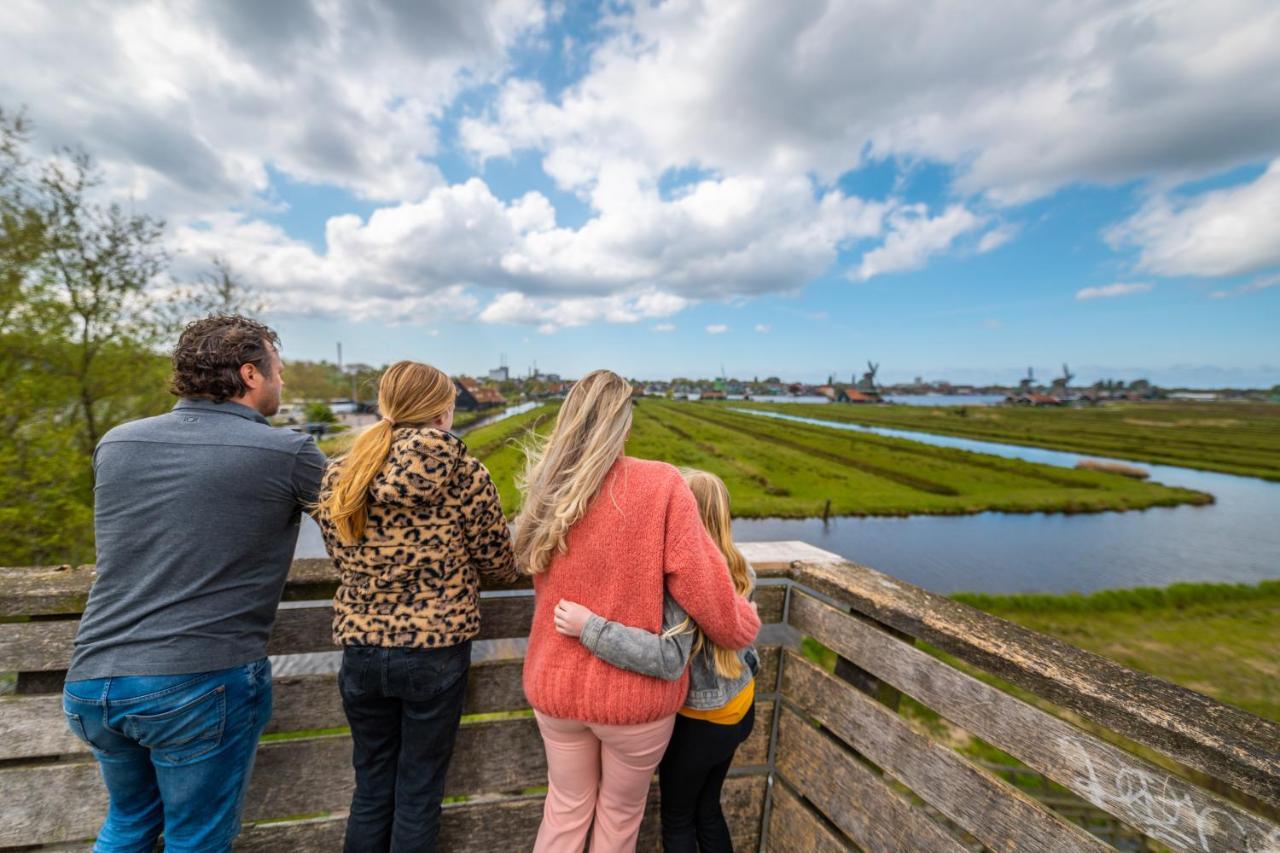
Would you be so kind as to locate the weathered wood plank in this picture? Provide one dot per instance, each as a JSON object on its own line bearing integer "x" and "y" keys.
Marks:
{"x": 850, "y": 795}
{"x": 754, "y": 751}
{"x": 767, "y": 677}
{"x": 1222, "y": 741}
{"x": 38, "y": 590}
{"x": 63, "y": 590}
{"x": 796, "y": 828}
{"x": 46, "y": 645}
{"x": 769, "y": 601}
{"x": 994, "y": 812}
{"x": 33, "y": 726}
{"x": 66, "y": 801}
{"x": 1157, "y": 803}
{"x": 508, "y": 824}
{"x": 777, "y": 557}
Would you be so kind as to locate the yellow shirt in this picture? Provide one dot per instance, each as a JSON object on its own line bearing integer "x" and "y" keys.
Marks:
{"x": 731, "y": 712}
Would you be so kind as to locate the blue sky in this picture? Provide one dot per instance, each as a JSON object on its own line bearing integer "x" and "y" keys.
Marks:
{"x": 676, "y": 188}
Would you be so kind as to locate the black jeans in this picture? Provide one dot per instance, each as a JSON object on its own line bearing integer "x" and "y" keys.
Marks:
{"x": 690, "y": 778}
{"x": 404, "y": 706}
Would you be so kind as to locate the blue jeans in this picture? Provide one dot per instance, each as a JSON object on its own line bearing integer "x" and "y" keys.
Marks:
{"x": 404, "y": 706}
{"x": 175, "y": 751}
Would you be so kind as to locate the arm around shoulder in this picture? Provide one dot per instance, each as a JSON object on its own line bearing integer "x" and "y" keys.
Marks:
{"x": 638, "y": 650}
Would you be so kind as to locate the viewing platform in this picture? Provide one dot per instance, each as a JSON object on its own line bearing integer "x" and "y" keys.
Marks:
{"x": 833, "y": 762}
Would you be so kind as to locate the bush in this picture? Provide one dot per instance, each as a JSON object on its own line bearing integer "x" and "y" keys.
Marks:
{"x": 320, "y": 413}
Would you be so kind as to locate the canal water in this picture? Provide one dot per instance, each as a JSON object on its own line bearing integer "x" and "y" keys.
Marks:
{"x": 509, "y": 412}
{"x": 1236, "y": 539}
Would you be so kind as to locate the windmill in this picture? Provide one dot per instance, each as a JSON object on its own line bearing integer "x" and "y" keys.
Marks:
{"x": 867, "y": 384}
{"x": 1063, "y": 383}
{"x": 1028, "y": 383}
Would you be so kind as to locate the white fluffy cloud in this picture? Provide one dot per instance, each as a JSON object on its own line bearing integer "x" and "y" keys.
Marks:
{"x": 1020, "y": 97}
{"x": 195, "y": 110}
{"x": 187, "y": 104}
{"x": 1111, "y": 291}
{"x": 641, "y": 257}
{"x": 997, "y": 237}
{"x": 1255, "y": 286}
{"x": 717, "y": 329}
{"x": 914, "y": 236}
{"x": 1224, "y": 232}
{"x": 552, "y": 314}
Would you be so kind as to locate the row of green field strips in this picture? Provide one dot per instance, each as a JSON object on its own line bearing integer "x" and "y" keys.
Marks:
{"x": 1232, "y": 438}
{"x": 501, "y": 446}
{"x": 785, "y": 469}
{"x": 1255, "y": 438}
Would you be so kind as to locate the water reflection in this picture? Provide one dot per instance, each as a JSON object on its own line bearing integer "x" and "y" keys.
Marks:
{"x": 1236, "y": 539}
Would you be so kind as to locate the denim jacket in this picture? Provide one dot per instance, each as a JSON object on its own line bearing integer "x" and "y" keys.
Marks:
{"x": 647, "y": 653}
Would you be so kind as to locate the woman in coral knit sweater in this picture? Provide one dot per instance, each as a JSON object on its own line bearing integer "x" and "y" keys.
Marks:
{"x": 612, "y": 533}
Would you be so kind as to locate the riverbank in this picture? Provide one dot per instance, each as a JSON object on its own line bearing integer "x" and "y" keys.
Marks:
{"x": 1217, "y": 639}
{"x": 777, "y": 469}
{"x": 1233, "y": 438}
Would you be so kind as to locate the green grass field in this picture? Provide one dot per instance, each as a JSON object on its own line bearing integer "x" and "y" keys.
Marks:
{"x": 789, "y": 470}
{"x": 1235, "y": 438}
{"x": 500, "y": 447}
{"x": 1217, "y": 639}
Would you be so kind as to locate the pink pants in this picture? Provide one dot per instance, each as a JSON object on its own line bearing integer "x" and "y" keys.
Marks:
{"x": 600, "y": 772}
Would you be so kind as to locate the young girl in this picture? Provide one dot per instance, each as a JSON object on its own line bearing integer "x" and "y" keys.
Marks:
{"x": 719, "y": 710}
{"x": 412, "y": 522}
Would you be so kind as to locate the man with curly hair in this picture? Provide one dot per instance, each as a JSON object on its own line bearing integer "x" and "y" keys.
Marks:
{"x": 196, "y": 514}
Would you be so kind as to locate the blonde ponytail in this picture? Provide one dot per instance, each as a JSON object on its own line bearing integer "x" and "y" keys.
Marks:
{"x": 410, "y": 394}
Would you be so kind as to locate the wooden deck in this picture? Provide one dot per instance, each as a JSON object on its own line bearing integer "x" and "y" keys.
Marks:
{"x": 831, "y": 765}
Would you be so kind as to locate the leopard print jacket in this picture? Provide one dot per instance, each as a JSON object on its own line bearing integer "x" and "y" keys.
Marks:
{"x": 435, "y": 527}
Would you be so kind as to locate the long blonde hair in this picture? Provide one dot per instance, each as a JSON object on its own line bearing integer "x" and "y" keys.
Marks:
{"x": 713, "y": 505}
{"x": 563, "y": 473}
{"x": 410, "y": 394}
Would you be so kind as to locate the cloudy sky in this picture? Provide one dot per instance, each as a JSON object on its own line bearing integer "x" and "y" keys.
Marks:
{"x": 949, "y": 188}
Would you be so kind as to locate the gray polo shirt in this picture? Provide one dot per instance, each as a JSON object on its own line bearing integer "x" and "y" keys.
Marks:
{"x": 196, "y": 514}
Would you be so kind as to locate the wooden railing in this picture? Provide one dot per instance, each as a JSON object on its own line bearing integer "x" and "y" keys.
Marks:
{"x": 833, "y": 763}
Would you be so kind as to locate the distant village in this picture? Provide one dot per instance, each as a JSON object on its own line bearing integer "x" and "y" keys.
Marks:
{"x": 501, "y": 387}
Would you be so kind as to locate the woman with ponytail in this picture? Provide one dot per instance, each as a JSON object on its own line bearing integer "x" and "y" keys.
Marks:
{"x": 615, "y": 534}
{"x": 412, "y": 522}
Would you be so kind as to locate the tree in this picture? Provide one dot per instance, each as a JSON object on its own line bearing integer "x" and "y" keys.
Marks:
{"x": 219, "y": 290}
{"x": 99, "y": 262}
{"x": 78, "y": 336}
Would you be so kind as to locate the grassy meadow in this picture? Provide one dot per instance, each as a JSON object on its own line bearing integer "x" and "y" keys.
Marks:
{"x": 1217, "y": 639}
{"x": 790, "y": 470}
{"x": 1234, "y": 438}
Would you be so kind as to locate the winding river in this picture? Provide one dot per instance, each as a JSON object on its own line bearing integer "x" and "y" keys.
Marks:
{"x": 1235, "y": 539}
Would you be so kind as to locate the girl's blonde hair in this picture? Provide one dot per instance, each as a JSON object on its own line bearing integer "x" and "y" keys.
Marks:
{"x": 563, "y": 473}
{"x": 713, "y": 505}
{"x": 410, "y": 394}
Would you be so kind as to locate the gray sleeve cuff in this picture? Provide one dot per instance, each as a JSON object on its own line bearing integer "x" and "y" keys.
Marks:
{"x": 592, "y": 630}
